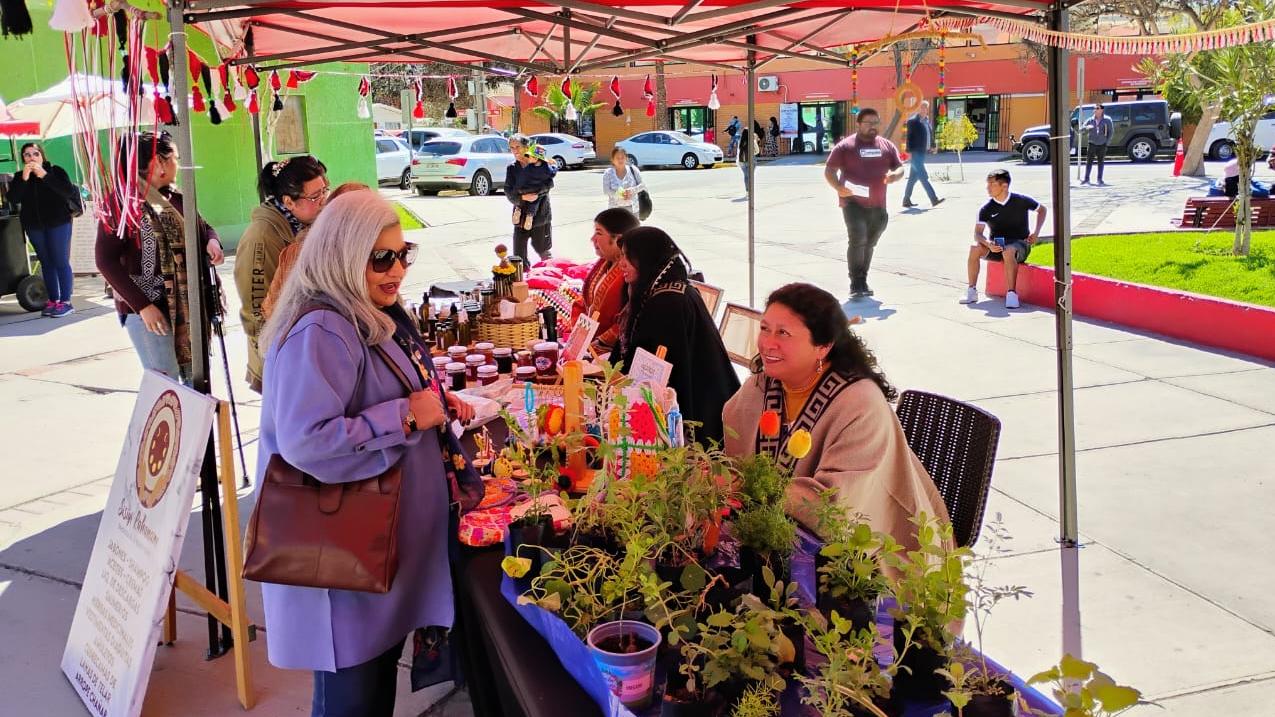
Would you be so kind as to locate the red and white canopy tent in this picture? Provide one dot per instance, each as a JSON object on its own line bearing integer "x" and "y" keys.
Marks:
{"x": 564, "y": 37}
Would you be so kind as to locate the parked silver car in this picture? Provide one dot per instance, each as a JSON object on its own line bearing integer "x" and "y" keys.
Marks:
{"x": 476, "y": 164}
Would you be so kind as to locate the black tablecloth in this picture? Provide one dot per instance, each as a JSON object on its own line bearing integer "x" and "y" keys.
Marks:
{"x": 511, "y": 670}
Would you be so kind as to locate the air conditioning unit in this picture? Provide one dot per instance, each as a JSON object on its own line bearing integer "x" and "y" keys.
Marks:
{"x": 768, "y": 83}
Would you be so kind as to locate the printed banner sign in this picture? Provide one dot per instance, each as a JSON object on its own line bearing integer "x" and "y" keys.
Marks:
{"x": 117, "y": 621}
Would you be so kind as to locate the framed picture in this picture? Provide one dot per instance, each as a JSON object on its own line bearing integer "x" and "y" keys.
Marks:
{"x": 289, "y": 129}
{"x": 739, "y": 333}
{"x": 712, "y": 296}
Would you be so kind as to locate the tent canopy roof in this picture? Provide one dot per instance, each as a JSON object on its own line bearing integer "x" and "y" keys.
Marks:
{"x": 566, "y": 36}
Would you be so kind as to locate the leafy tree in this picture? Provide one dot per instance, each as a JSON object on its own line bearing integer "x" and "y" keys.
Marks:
{"x": 955, "y": 135}
{"x": 555, "y": 105}
{"x": 1235, "y": 81}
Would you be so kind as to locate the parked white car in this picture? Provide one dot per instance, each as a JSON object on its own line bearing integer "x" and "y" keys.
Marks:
{"x": 393, "y": 162}
{"x": 474, "y": 163}
{"x": 1221, "y": 143}
{"x": 567, "y": 150}
{"x": 651, "y": 149}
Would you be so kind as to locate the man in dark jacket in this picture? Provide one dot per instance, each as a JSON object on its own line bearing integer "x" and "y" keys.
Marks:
{"x": 920, "y": 143}
{"x": 527, "y": 188}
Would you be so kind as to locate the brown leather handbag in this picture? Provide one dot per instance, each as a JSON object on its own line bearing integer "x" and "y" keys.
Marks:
{"x": 340, "y": 536}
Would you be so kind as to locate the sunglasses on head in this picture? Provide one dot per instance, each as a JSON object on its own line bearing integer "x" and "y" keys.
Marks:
{"x": 383, "y": 259}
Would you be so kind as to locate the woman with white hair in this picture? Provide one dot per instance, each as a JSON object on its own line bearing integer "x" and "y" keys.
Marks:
{"x": 335, "y": 409}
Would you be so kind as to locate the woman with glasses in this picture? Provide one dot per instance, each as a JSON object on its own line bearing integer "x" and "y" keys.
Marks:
{"x": 334, "y": 408}
{"x": 295, "y": 190}
{"x": 144, "y": 260}
{"x": 48, "y": 197}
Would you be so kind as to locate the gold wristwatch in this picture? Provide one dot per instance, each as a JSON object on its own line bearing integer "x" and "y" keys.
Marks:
{"x": 410, "y": 422}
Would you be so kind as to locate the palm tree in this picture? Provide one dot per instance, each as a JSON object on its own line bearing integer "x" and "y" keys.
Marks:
{"x": 555, "y": 105}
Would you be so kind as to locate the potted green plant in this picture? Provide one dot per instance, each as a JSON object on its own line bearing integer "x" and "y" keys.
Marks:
{"x": 757, "y": 701}
{"x": 848, "y": 680}
{"x": 729, "y": 651}
{"x": 930, "y": 588}
{"x": 586, "y": 586}
{"x": 850, "y": 576}
{"x": 1085, "y": 691}
{"x": 977, "y": 691}
{"x": 766, "y": 534}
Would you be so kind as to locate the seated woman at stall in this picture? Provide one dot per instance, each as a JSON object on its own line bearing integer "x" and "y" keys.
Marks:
{"x": 819, "y": 377}
{"x": 664, "y": 309}
{"x": 604, "y": 287}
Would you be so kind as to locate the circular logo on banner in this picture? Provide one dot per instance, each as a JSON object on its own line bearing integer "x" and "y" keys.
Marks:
{"x": 157, "y": 451}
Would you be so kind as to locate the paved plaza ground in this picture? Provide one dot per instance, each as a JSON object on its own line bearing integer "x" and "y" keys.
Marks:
{"x": 1175, "y": 474}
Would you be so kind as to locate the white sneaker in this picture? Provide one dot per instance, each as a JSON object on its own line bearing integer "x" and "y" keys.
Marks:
{"x": 1011, "y": 299}
{"x": 971, "y": 296}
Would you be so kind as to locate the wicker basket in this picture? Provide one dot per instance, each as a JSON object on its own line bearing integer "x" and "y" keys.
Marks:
{"x": 509, "y": 333}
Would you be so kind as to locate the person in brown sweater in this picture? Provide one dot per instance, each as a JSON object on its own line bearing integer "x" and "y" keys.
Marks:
{"x": 288, "y": 257}
{"x": 144, "y": 260}
{"x": 820, "y": 378}
{"x": 295, "y": 190}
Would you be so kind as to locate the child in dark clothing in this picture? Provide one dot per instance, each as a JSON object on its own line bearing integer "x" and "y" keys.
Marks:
{"x": 536, "y": 177}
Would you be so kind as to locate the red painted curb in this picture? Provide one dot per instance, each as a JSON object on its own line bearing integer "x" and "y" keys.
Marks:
{"x": 1206, "y": 320}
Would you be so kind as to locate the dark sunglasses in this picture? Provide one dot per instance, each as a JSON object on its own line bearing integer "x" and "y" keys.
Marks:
{"x": 383, "y": 259}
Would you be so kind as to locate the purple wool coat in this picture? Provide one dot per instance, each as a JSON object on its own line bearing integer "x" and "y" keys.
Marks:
{"x": 333, "y": 409}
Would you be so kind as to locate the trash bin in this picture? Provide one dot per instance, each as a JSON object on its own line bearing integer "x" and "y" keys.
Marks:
{"x": 15, "y": 265}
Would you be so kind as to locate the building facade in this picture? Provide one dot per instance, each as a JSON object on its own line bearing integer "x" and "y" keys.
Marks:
{"x": 1000, "y": 89}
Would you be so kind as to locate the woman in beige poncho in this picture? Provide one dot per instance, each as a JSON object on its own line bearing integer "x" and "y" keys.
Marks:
{"x": 818, "y": 376}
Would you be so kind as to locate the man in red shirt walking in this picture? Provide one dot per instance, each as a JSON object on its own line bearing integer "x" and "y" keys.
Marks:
{"x": 859, "y": 168}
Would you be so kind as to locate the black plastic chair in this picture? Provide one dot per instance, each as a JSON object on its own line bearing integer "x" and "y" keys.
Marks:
{"x": 956, "y": 443}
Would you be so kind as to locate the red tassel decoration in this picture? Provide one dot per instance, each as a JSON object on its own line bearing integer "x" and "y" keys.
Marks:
{"x": 253, "y": 107}
{"x": 533, "y": 86}
{"x": 650, "y": 107}
{"x": 275, "y": 83}
{"x": 566, "y": 87}
{"x": 419, "y": 110}
{"x": 197, "y": 98}
{"x": 452, "y": 90}
{"x": 228, "y": 101}
{"x": 195, "y": 65}
{"x": 648, "y": 89}
{"x": 223, "y": 71}
{"x": 251, "y": 78}
{"x": 293, "y": 82}
{"x": 303, "y": 76}
{"x": 615, "y": 86}
{"x": 278, "y": 103}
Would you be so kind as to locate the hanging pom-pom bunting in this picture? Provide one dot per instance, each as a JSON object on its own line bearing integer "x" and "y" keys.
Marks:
{"x": 253, "y": 106}
{"x": 277, "y": 105}
{"x": 197, "y": 99}
{"x": 617, "y": 110}
{"x": 365, "y": 88}
{"x": 532, "y": 87}
{"x": 418, "y": 112}
{"x": 650, "y": 107}
{"x": 251, "y": 78}
{"x": 275, "y": 83}
{"x": 196, "y": 65}
{"x": 648, "y": 89}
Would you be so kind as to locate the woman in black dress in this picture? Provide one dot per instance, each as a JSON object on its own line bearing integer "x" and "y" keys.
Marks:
{"x": 665, "y": 309}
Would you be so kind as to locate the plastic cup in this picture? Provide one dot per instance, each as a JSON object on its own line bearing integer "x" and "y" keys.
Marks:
{"x": 630, "y": 675}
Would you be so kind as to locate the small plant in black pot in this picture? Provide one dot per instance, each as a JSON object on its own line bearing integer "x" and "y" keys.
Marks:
{"x": 976, "y": 690}
{"x": 728, "y": 653}
{"x": 929, "y": 585}
{"x": 848, "y": 680}
{"x": 850, "y": 577}
{"x": 1085, "y": 691}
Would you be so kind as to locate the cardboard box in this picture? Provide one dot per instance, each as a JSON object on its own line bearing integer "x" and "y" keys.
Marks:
{"x": 521, "y": 292}
{"x": 525, "y": 309}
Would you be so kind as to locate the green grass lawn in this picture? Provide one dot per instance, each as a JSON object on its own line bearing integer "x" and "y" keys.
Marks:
{"x": 406, "y": 218}
{"x": 1196, "y": 262}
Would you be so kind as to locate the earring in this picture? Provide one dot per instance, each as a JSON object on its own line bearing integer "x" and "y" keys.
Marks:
{"x": 818, "y": 366}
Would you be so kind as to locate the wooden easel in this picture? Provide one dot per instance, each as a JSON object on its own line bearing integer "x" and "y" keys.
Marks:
{"x": 233, "y": 614}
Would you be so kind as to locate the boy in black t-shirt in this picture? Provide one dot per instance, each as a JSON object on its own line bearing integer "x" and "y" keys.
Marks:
{"x": 1004, "y": 218}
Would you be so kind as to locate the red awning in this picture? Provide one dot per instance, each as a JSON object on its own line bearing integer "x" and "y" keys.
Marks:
{"x": 561, "y": 36}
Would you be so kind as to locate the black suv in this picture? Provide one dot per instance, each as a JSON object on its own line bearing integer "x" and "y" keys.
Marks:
{"x": 1142, "y": 129}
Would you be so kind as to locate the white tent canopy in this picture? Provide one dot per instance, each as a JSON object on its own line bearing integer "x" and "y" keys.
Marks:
{"x": 56, "y": 108}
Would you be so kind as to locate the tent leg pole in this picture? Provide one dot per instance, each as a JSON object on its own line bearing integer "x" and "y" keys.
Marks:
{"x": 256, "y": 130}
{"x": 750, "y": 172}
{"x": 1059, "y": 96}
{"x": 196, "y": 278}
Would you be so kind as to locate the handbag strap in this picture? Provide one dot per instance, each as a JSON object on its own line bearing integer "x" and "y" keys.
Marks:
{"x": 395, "y": 368}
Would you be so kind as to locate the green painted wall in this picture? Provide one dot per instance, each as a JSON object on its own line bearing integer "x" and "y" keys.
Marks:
{"x": 226, "y": 177}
